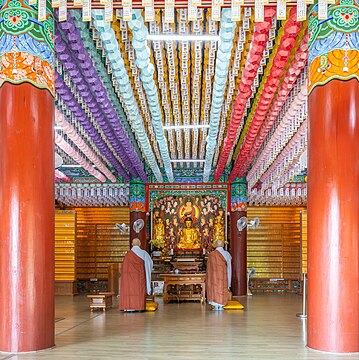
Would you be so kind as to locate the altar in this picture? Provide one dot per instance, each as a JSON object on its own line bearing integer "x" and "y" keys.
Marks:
{"x": 185, "y": 229}
{"x": 184, "y": 287}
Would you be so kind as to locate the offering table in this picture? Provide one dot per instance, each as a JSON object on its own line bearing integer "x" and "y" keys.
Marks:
{"x": 184, "y": 287}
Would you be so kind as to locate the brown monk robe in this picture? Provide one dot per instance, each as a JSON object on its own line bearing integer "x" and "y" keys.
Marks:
{"x": 135, "y": 279}
{"x": 218, "y": 277}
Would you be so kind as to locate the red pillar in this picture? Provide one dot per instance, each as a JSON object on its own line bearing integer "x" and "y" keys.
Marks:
{"x": 135, "y": 215}
{"x": 333, "y": 180}
{"x": 239, "y": 255}
{"x": 137, "y": 210}
{"x": 333, "y": 221}
{"x": 238, "y": 239}
{"x": 27, "y": 218}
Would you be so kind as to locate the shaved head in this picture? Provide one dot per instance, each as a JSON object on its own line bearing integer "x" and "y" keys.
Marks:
{"x": 136, "y": 242}
{"x": 219, "y": 243}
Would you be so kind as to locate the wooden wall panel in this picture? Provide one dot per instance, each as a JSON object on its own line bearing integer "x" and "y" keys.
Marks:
{"x": 99, "y": 242}
{"x": 65, "y": 248}
{"x": 273, "y": 249}
{"x": 304, "y": 241}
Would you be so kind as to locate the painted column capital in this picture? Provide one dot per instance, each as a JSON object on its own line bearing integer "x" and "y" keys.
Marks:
{"x": 334, "y": 43}
{"x": 137, "y": 195}
{"x": 26, "y": 45}
{"x": 239, "y": 194}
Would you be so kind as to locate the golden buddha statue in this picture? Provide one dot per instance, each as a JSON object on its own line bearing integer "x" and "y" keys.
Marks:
{"x": 218, "y": 229}
{"x": 159, "y": 234}
{"x": 189, "y": 236}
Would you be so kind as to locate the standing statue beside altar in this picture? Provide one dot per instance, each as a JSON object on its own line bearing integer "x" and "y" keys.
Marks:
{"x": 189, "y": 237}
{"x": 158, "y": 234}
{"x": 218, "y": 230}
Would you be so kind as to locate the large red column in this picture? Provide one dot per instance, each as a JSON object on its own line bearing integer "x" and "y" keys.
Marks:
{"x": 135, "y": 215}
{"x": 239, "y": 255}
{"x": 238, "y": 239}
{"x": 26, "y": 177}
{"x": 137, "y": 210}
{"x": 333, "y": 221}
{"x": 333, "y": 181}
{"x": 27, "y": 218}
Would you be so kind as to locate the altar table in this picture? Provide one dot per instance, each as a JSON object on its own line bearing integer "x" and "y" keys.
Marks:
{"x": 184, "y": 287}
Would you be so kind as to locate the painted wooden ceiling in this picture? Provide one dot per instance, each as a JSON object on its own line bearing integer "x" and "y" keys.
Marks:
{"x": 224, "y": 100}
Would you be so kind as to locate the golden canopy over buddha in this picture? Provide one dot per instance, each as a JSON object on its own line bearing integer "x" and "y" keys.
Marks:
{"x": 189, "y": 236}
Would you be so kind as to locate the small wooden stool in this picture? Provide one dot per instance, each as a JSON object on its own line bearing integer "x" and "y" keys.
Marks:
{"x": 101, "y": 300}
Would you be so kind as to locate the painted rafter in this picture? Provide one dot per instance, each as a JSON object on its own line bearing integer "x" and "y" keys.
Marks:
{"x": 71, "y": 102}
{"x": 77, "y": 139}
{"x": 226, "y": 34}
{"x": 174, "y": 84}
{"x": 184, "y": 76}
{"x": 196, "y": 79}
{"x": 123, "y": 36}
{"x": 159, "y": 59}
{"x": 242, "y": 42}
{"x": 286, "y": 43}
{"x": 100, "y": 67}
{"x": 80, "y": 67}
{"x": 291, "y": 118}
{"x": 296, "y": 66}
{"x": 254, "y": 57}
{"x": 139, "y": 35}
{"x": 110, "y": 44}
{"x": 65, "y": 146}
{"x": 80, "y": 130}
{"x": 91, "y": 117}
{"x": 208, "y": 71}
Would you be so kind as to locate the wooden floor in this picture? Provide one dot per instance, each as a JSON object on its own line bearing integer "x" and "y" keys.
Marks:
{"x": 266, "y": 329}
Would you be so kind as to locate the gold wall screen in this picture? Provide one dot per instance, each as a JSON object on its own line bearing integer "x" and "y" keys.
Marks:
{"x": 273, "y": 249}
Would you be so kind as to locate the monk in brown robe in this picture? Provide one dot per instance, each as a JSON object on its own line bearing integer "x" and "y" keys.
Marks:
{"x": 218, "y": 276}
{"x": 135, "y": 278}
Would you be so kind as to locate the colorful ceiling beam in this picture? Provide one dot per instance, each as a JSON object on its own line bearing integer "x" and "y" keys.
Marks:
{"x": 210, "y": 51}
{"x": 92, "y": 194}
{"x": 295, "y": 112}
{"x": 110, "y": 44}
{"x": 287, "y": 43}
{"x": 78, "y": 63}
{"x": 254, "y": 57}
{"x": 65, "y": 146}
{"x": 257, "y": 87}
{"x": 81, "y": 116}
{"x": 224, "y": 52}
{"x": 80, "y": 143}
{"x": 123, "y": 36}
{"x": 139, "y": 38}
{"x": 60, "y": 176}
{"x": 242, "y": 40}
{"x": 170, "y": 109}
{"x": 296, "y": 67}
{"x": 97, "y": 60}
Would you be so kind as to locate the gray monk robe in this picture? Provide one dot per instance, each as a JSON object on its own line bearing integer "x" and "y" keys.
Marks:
{"x": 218, "y": 277}
{"x": 135, "y": 279}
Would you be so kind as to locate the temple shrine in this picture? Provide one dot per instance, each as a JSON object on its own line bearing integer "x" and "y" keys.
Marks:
{"x": 183, "y": 124}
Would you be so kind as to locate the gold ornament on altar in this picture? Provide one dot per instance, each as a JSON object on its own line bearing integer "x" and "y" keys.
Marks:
{"x": 189, "y": 236}
{"x": 158, "y": 240}
{"x": 218, "y": 230}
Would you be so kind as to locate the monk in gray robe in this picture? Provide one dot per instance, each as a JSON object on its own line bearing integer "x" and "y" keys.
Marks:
{"x": 218, "y": 276}
{"x": 135, "y": 278}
